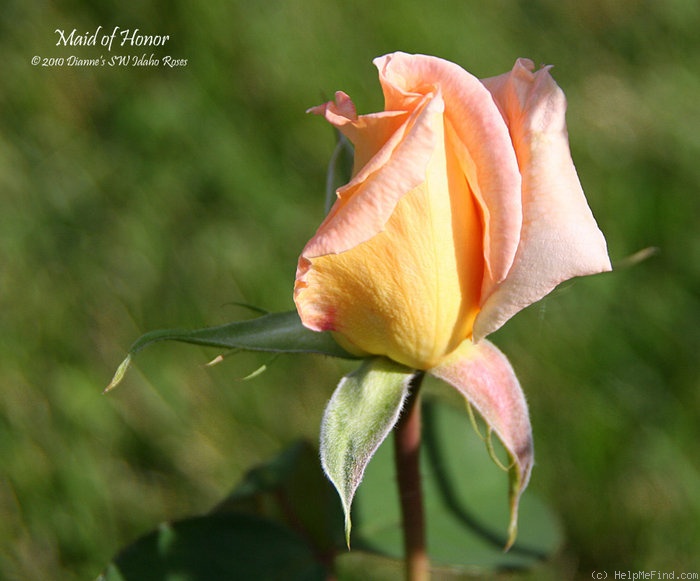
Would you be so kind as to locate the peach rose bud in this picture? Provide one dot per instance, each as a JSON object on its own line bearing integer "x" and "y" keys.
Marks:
{"x": 464, "y": 208}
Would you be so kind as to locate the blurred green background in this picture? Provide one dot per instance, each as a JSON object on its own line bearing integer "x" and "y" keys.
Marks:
{"x": 135, "y": 198}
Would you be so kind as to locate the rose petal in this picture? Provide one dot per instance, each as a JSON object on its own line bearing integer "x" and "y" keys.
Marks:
{"x": 370, "y": 134}
{"x": 366, "y": 203}
{"x": 365, "y": 206}
{"x": 560, "y": 238}
{"x": 483, "y": 146}
{"x": 405, "y": 293}
{"x": 484, "y": 376}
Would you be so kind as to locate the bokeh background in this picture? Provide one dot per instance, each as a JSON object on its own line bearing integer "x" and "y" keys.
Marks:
{"x": 136, "y": 198}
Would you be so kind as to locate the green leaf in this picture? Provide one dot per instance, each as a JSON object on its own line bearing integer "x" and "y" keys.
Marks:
{"x": 282, "y": 521}
{"x": 292, "y": 490}
{"x": 463, "y": 493}
{"x": 218, "y": 546}
{"x": 362, "y": 411}
{"x": 273, "y": 333}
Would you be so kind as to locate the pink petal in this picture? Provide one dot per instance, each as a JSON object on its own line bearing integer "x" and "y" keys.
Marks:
{"x": 368, "y": 200}
{"x": 483, "y": 144}
{"x": 370, "y": 134}
{"x": 483, "y": 375}
{"x": 560, "y": 238}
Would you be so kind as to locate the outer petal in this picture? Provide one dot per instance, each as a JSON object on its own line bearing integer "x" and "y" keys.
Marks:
{"x": 560, "y": 238}
{"x": 486, "y": 379}
{"x": 482, "y": 143}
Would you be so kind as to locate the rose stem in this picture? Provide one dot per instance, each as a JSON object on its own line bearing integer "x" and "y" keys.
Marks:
{"x": 407, "y": 455}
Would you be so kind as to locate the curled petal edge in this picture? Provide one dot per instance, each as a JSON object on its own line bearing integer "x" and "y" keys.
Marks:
{"x": 483, "y": 146}
{"x": 366, "y": 203}
{"x": 484, "y": 376}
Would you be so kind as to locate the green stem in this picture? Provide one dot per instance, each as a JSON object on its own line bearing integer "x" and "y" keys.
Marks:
{"x": 407, "y": 436}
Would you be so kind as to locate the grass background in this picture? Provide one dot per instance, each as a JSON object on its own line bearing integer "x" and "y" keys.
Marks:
{"x": 135, "y": 198}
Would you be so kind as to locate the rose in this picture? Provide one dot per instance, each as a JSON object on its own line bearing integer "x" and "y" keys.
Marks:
{"x": 464, "y": 208}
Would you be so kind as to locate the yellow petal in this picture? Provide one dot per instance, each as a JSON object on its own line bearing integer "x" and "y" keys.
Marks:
{"x": 411, "y": 291}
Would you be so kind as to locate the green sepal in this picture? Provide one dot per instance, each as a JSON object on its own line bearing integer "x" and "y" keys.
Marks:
{"x": 463, "y": 500}
{"x": 272, "y": 333}
{"x": 362, "y": 411}
{"x": 339, "y": 168}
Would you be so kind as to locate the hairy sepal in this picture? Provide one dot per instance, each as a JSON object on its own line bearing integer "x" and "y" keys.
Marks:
{"x": 362, "y": 411}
